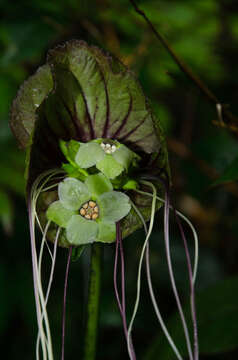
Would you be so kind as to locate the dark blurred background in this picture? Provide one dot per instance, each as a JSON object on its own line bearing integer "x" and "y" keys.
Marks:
{"x": 205, "y": 34}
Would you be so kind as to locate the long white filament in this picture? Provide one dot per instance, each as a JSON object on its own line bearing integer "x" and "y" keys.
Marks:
{"x": 195, "y": 236}
{"x": 35, "y": 280}
{"x": 46, "y": 343}
{"x": 39, "y": 191}
{"x": 196, "y": 256}
{"x": 152, "y": 295}
{"x": 43, "y": 304}
{"x": 171, "y": 274}
{"x": 51, "y": 275}
{"x": 153, "y": 207}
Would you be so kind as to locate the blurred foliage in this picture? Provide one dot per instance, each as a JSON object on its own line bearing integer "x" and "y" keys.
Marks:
{"x": 205, "y": 35}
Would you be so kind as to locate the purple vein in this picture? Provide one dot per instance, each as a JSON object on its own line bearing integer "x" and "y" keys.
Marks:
{"x": 106, "y": 126}
{"x": 192, "y": 292}
{"x": 171, "y": 274}
{"x": 74, "y": 118}
{"x": 123, "y": 123}
{"x": 64, "y": 302}
{"x": 134, "y": 129}
{"x": 144, "y": 137}
{"x": 92, "y": 132}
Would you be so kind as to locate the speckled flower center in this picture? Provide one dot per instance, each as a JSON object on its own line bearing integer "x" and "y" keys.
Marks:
{"x": 89, "y": 210}
{"x": 108, "y": 148}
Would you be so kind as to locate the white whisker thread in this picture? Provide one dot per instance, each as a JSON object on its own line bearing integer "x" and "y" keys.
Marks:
{"x": 195, "y": 236}
{"x": 171, "y": 274}
{"x": 153, "y": 206}
{"x": 152, "y": 295}
{"x": 194, "y": 273}
{"x": 50, "y": 278}
{"x": 44, "y": 338}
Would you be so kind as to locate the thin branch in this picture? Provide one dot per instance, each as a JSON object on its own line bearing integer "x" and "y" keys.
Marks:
{"x": 230, "y": 121}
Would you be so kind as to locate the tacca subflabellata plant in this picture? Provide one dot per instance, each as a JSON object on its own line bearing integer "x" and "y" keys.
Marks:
{"x": 96, "y": 165}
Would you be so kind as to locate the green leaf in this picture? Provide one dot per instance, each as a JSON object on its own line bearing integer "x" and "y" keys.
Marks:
{"x": 230, "y": 173}
{"x": 217, "y": 312}
{"x": 73, "y": 193}
{"x": 57, "y": 213}
{"x": 80, "y": 231}
{"x": 114, "y": 206}
{"x": 130, "y": 185}
{"x": 98, "y": 184}
{"x": 109, "y": 166}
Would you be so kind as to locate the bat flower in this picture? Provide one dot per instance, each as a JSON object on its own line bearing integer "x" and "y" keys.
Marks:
{"x": 88, "y": 210}
{"x": 86, "y": 107}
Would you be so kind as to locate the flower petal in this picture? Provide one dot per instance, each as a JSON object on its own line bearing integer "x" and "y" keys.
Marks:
{"x": 114, "y": 205}
{"x": 73, "y": 193}
{"x": 80, "y": 231}
{"x": 57, "y": 213}
{"x": 110, "y": 167}
{"x": 107, "y": 232}
{"x": 123, "y": 156}
{"x": 98, "y": 184}
{"x": 89, "y": 154}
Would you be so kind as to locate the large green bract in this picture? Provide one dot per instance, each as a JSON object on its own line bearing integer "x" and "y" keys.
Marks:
{"x": 85, "y": 94}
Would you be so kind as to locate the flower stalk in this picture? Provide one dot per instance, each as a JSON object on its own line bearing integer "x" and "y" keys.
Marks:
{"x": 91, "y": 332}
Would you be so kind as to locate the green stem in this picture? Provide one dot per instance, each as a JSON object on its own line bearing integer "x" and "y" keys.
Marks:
{"x": 93, "y": 302}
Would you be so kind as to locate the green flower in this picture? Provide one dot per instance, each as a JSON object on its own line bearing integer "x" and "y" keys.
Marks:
{"x": 109, "y": 156}
{"x": 88, "y": 211}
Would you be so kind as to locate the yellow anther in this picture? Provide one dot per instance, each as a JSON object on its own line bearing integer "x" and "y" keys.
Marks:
{"x": 82, "y": 212}
{"x": 92, "y": 204}
{"x": 89, "y": 210}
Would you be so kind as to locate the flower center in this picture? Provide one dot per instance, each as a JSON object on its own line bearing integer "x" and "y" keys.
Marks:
{"x": 89, "y": 210}
{"x": 108, "y": 148}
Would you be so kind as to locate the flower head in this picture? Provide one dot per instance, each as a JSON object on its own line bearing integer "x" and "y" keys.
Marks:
{"x": 88, "y": 210}
{"x": 108, "y": 156}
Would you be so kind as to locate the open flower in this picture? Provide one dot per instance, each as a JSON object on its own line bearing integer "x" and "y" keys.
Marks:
{"x": 88, "y": 211}
{"x": 109, "y": 156}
